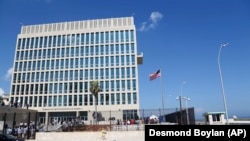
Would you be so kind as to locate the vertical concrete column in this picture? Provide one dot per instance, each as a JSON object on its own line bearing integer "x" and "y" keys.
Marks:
{"x": 46, "y": 119}
{"x": 77, "y": 114}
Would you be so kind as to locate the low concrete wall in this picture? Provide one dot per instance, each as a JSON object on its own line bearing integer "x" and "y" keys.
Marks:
{"x": 91, "y": 136}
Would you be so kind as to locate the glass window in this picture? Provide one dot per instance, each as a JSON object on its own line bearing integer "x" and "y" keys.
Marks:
{"x": 75, "y": 100}
{"x": 127, "y": 35}
{"x": 50, "y": 41}
{"x": 32, "y": 43}
{"x": 123, "y": 72}
{"x": 112, "y": 99}
{"x": 45, "y": 41}
{"x": 97, "y": 37}
{"x": 77, "y": 39}
{"x": 92, "y": 38}
{"x": 123, "y": 85}
{"x": 112, "y": 85}
{"x": 128, "y": 85}
{"x": 129, "y": 98}
{"x": 65, "y": 88}
{"x": 82, "y": 38}
{"x": 36, "y": 42}
{"x": 96, "y": 61}
{"x": 134, "y": 98}
{"x": 31, "y": 54}
{"x": 85, "y": 99}
{"x": 122, "y": 36}
{"x": 77, "y": 51}
{"x": 70, "y": 100}
{"x": 107, "y": 86}
{"x": 107, "y": 73}
{"x": 106, "y": 49}
{"x": 102, "y": 49}
{"x": 60, "y": 100}
{"x": 102, "y": 37}
{"x": 54, "y": 41}
{"x": 91, "y": 62}
{"x": 96, "y": 73}
{"x": 122, "y": 48}
{"x": 128, "y": 72}
{"x": 71, "y": 75}
{"x": 107, "y": 99}
{"x": 68, "y": 40}
{"x": 76, "y": 63}
{"x": 86, "y": 62}
{"x": 80, "y": 100}
{"x": 112, "y": 48}
{"x": 86, "y": 75}
{"x": 118, "y": 99}
{"x": 19, "y": 43}
{"x": 87, "y": 38}
{"x": 117, "y": 36}
{"x": 63, "y": 40}
{"x": 59, "y": 40}
{"x": 66, "y": 75}
{"x": 76, "y": 74}
{"x": 73, "y": 39}
{"x": 65, "y": 100}
{"x": 107, "y": 37}
{"x": 92, "y": 50}
{"x": 55, "y": 88}
{"x": 87, "y": 51}
{"x": 132, "y": 35}
{"x": 132, "y": 48}
{"x": 123, "y": 98}
{"x": 102, "y": 61}
{"x": 82, "y": 51}
{"x": 106, "y": 60}
{"x": 102, "y": 73}
{"x": 112, "y": 36}
{"x": 101, "y": 99}
{"x": 117, "y": 85}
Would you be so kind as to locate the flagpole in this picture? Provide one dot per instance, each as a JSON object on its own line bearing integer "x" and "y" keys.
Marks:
{"x": 162, "y": 93}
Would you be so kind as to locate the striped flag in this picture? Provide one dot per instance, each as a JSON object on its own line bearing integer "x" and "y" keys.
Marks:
{"x": 155, "y": 75}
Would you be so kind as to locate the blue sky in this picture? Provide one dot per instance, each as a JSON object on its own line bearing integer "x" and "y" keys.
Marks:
{"x": 182, "y": 38}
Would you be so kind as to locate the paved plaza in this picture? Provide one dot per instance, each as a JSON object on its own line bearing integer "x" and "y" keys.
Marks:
{"x": 91, "y": 136}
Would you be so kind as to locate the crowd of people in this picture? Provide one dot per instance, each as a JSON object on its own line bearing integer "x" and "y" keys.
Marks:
{"x": 22, "y": 131}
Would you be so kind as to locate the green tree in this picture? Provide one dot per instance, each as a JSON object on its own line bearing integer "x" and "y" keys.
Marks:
{"x": 95, "y": 89}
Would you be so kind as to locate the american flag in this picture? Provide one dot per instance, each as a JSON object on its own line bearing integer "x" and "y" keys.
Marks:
{"x": 155, "y": 75}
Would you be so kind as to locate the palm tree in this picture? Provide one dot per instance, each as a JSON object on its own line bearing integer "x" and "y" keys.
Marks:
{"x": 95, "y": 89}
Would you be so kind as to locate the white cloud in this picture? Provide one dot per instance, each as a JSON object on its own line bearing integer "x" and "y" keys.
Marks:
{"x": 154, "y": 19}
{"x": 1, "y": 91}
{"x": 8, "y": 74}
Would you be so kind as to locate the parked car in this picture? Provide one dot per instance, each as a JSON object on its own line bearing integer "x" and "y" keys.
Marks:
{"x": 4, "y": 137}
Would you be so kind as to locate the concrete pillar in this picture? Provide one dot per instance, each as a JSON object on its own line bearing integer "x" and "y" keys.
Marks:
{"x": 46, "y": 119}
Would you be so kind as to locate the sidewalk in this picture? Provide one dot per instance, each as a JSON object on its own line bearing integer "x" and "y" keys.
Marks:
{"x": 91, "y": 136}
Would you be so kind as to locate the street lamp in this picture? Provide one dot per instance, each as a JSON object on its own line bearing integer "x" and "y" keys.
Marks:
{"x": 187, "y": 99}
{"x": 222, "y": 87}
{"x": 180, "y": 98}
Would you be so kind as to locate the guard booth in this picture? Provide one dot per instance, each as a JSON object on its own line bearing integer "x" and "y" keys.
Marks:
{"x": 214, "y": 118}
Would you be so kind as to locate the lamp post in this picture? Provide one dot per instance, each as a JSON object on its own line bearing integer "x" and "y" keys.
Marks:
{"x": 180, "y": 98}
{"x": 187, "y": 99}
{"x": 222, "y": 86}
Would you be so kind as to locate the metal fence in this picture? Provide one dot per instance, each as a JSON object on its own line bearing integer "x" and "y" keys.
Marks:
{"x": 29, "y": 121}
{"x": 18, "y": 122}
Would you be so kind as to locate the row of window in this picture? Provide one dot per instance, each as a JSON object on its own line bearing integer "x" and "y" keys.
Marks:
{"x": 76, "y": 39}
{"x": 70, "y": 75}
{"x": 75, "y": 51}
{"x": 72, "y": 87}
{"x": 77, "y": 100}
{"x": 75, "y": 63}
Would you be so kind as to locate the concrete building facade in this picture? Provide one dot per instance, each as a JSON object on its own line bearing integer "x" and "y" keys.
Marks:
{"x": 54, "y": 64}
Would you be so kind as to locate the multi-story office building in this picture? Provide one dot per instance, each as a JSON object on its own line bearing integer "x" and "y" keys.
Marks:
{"x": 55, "y": 63}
